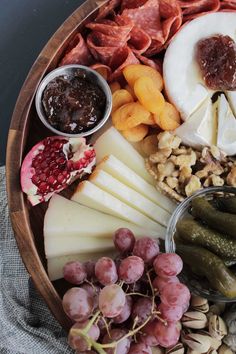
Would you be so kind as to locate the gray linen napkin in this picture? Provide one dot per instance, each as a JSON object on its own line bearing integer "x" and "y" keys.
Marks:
{"x": 26, "y": 324}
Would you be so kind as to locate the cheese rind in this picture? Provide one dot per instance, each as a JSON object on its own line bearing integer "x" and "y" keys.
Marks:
{"x": 226, "y": 138}
{"x": 183, "y": 80}
{"x": 93, "y": 197}
{"x": 129, "y": 196}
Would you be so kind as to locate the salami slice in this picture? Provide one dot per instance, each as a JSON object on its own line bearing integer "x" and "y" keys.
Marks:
{"x": 139, "y": 40}
{"x": 154, "y": 63}
{"x": 229, "y": 5}
{"x": 101, "y": 54}
{"x": 171, "y": 14}
{"x": 120, "y": 28}
{"x": 102, "y": 69}
{"x": 77, "y": 52}
{"x": 121, "y": 58}
{"x": 195, "y": 8}
{"x": 108, "y": 8}
{"x": 147, "y": 17}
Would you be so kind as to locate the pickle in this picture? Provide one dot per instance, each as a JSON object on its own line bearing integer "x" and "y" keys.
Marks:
{"x": 218, "y": 220}
{"x": 193, "y": 232}
{"x": 213, "y": 268}
{"x": 227, "y": 204}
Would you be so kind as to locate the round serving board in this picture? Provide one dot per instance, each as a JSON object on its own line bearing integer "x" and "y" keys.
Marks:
{"x": 26, "y": 130}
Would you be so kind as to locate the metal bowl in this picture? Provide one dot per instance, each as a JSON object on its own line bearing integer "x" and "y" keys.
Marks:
{"x": 70, "y": 70}
{"x": 197, "y": 285}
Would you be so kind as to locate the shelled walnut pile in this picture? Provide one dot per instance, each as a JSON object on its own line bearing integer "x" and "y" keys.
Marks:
{"x": 181, "y": 170}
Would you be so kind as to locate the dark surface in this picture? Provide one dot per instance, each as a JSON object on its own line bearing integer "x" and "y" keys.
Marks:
{"x": 25, "y": 27}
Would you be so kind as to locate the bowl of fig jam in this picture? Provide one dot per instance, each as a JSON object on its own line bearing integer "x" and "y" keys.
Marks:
{"x": 73, "y": 101}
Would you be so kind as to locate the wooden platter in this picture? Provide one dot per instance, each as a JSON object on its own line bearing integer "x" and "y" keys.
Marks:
{"x": 25, "y": 130}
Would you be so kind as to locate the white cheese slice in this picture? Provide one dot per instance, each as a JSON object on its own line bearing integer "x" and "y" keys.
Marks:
{"x": 93, "y": 197}
{"x": 231, "y": 96}
{"x": 67, "y": 218}
{"x": 124, "y": 174}
{"x": 226, "y": 138}
{"x": 183, "y": 80}
{"x": 129, "y": 196}
{"x": 200, "y": 129}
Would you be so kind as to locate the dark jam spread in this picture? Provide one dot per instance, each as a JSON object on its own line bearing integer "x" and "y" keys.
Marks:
{"x": 73, "y": 104}
{"x": 216, "y": 57}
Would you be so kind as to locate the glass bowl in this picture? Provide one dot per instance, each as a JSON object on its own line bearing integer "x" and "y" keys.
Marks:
{"x": 70, "y": 70}
{"x": 198, "y": 286}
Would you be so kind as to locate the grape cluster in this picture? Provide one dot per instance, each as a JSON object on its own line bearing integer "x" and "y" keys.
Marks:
{"x": 129, "y": 304}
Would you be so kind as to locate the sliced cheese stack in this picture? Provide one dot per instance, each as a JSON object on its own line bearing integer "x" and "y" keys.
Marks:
{"x": 73, "y": 231}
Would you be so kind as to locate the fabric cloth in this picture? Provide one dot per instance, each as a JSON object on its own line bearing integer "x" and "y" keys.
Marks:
{"x": 26, "y": 324}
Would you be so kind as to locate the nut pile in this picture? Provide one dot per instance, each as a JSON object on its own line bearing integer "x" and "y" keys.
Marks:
{"x": 203, "y": 329}
{"x": 181, "y": 170}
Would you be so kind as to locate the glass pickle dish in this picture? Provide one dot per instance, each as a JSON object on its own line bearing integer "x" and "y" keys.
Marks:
{"x": 197, "y": 285}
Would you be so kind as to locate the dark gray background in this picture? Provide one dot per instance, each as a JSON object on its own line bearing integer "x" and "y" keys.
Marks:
{"x": 25, "y": 27}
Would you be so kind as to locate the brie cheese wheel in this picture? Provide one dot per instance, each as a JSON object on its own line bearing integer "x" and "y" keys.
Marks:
{"x": 200, "y": 129}
{"x": 226, "y": 139}
{"x": 184, "y": 84}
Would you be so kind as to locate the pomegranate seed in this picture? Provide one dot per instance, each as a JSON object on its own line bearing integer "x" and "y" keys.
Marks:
{"x": 61, "y": 178}
{"x": 88, "y": 153}
{"x": 43, "y": 187}
{"x": 44, "y": 164}
{"x": 35, "y": 179}
{"x": 61, "y": 160}
{"x": 69, "y": 165}
{"x": 42, "y": 177}
{"x": 56, "y": 172}
{"x": 51, "y": 180}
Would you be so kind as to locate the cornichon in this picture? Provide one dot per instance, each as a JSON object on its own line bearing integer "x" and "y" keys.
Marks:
{"x": 211, "y": 266}
{"x": 227, "y": 204}
{"x": 218, "y": 220}
{"x": 193, "y": 232}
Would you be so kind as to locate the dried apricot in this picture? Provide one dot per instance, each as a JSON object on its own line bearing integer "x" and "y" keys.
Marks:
{"x": 135, "y": 134}
{"x": 169, "y": 117}
{"x": 149, "y": 121}
{"x": 149, "y": 145}
{"x": 135, "y": 71}
{"x": 119, "y": 98}
{"x": 131, "y": 91}
{"x": 114, "y": 86}
{"x": 148, "y": 95}
{"x": 129, "y": 115}
{"x": 156, "y": 118}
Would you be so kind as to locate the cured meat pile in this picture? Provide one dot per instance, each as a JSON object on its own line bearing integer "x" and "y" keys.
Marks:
{"x": 132, "y": 31}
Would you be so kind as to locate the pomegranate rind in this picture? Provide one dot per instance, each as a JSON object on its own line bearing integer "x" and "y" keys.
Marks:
{"x": 78, "y": 147}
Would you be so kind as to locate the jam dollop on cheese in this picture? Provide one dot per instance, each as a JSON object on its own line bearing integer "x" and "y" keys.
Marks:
{"x": 73, "y": 104}
{"x": 216, "y": 57}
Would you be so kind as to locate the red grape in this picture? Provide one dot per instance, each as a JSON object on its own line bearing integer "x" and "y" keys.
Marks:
{"x": 171, "y": 313}
{"x": 159, "y": 282}
{"x": 140, "y": 348}
{"x": 147, "y": 336}
{"x": 168, "y": 264}
{"x": 131, "y": 269}
{"x": 142, "y": 308}
{"x": 176, "y": 294}
{"x": 90, "y": 269}
{"x": 76, "y": 341}
{"x": 126, "y": 311}
{"x": 146, "y": 248}
{"x": 124, "y": 240}
{"x": 111, "y": 300}
{"x": 167, "y": 335}
{"x": 74, "y": 272}
{"x": 77, "y": 304}
{"x": 122, "y": 346}
{"x": 93, "y": 291}
{"x": 105, "y": 271}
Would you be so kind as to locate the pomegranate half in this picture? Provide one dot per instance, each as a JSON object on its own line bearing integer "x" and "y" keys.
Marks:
{"x": 53, "y": 164}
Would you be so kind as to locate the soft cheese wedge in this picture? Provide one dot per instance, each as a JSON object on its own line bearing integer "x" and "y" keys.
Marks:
{"x": 226, "y": 139}
{"x": 112, "y": 142}
{"x": 201, "y": 128}
{"x": 231, "y": 96}
{"x": 94, "y": 197}
{"x": 65, "y": 218}
{"x": 55, "y": 265}
{"x": 183, "y": 80}
{"x": 124, "y": 174}
{"x": 129, "y": 196}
